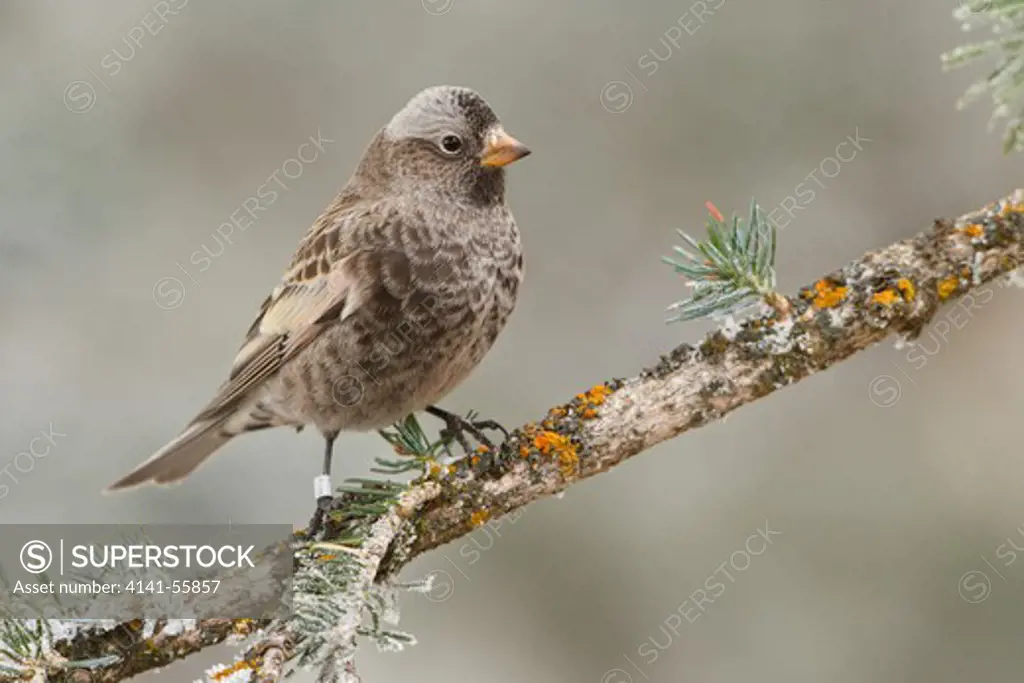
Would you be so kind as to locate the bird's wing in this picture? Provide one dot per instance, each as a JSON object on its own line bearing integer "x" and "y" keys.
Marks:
{"x": 340, "y": 265}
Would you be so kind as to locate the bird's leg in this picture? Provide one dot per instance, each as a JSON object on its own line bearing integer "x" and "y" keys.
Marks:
{"x": 456, "y": 428}
{"x": 322, "y": 489}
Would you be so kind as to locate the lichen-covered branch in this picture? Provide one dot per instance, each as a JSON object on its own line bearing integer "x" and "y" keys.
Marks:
{"x": 895, "y": 290}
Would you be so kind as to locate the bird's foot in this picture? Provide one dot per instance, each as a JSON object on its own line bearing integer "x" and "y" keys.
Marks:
{"x": 456, "y": 427}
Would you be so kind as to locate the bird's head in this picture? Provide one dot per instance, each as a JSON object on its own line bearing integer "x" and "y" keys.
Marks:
{"x": 448, "y": 139}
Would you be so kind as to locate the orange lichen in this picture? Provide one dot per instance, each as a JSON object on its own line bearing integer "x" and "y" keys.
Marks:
{"x": 234, "y": 668}
{"x": 482, "y": 449}
{"x": 1012, "y": 208}
{"x": 907, "y": 288}
{"x": 327, "y": 558}
{"x": 886, "y": 297}
{"x": 474, "y": 460}
{"x": 243, "y": 626}
{"x": 550, "y": 443}
{"x": 567, "y": 461}
{"x": 546, "y": 442}
{"x": 434, "y": 469}
{"x": 452, "y": 469}
{"x": 598, "y": 394}
{"x": 947, "y": 287}
{"x": 479, "y": 517}
{"x": 524, "y": 452}
{"x": 974, "y": 230}
{"x": 828, "y": 295}
{"x": 590, "y": 399}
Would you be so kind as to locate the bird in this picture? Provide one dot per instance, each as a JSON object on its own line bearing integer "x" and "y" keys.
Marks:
{"x": 392, "y": 298}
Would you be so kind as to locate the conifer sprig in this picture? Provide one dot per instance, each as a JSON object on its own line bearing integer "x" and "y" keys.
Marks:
{"x": 1005, "y": 18}
{"x": 734, "y": 265}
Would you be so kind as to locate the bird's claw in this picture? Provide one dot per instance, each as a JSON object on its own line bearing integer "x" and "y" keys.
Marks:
{"x": 491, "y": 424}
{"x": 457, "y": 432}
{"x": 457, "y": 427}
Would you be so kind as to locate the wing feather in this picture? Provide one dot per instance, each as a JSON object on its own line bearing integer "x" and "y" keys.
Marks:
{"x": 349, "y": 260}
{"x": 319, "y": 289}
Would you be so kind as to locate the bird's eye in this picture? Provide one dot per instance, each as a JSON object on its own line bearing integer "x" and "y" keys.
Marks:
{"x": 451, "y": 144}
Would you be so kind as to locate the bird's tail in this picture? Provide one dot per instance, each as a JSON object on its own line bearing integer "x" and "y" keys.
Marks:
{"x": 177, "y": 459}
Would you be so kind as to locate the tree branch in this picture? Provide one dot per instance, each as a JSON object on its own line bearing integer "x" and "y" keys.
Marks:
{"x": 895, "y": 290}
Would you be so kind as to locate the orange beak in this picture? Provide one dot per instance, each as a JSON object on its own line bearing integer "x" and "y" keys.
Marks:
{"x": 501, "y": 149}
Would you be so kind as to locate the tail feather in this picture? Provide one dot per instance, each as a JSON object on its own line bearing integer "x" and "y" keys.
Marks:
{"x": 177, "y": 459}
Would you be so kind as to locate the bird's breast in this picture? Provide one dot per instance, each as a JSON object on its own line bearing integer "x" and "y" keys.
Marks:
{"x": 399, "y": 355}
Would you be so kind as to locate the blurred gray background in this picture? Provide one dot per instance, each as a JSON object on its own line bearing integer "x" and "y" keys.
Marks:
{"x": 895, "y": 484}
